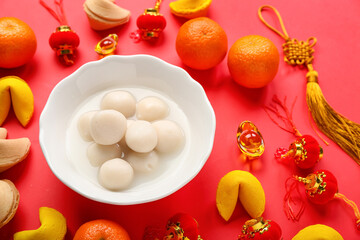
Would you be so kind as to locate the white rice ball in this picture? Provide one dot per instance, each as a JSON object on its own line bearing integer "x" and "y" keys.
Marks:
{"x": 107, "y": 127}
{"x": 151, "y": 109}
{"x": 98, "y": 154}
{"x": 141, "y": 136}
{"x": 143, "y": 162}
{"x": 115, "y": 174}
{"x": 83, "y": 126}
{"x": 170, "y": 136}
{"x": 121, "y": 101}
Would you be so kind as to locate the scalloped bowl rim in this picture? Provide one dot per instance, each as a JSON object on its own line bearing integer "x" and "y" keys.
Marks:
{"x": 49, "y": 115}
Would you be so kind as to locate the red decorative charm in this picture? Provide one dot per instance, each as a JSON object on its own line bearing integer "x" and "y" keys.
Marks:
{"x": 305, "y": 151}
{"x": 260, "y": 229}
{"x": 151, "y": 23}
{"x": 64, "y": 41}
{"x": 320, "y": 187}
{"x": 182, "y": 226}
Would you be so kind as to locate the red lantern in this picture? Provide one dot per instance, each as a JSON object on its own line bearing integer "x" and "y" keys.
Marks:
{"x": 305, "y": 151}
{"x": 181, "y": 227}
{"x": 64, "y": 41}
{"x": 320, "y": 187}
{"x": 260, "y": 229}
{"x": 151, "y": 23}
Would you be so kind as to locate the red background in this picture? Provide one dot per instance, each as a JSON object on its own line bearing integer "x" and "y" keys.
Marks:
{"x": 336, "y": 26}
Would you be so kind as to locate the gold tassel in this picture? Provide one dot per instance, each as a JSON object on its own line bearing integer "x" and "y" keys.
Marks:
{"x": 341, "y": 130}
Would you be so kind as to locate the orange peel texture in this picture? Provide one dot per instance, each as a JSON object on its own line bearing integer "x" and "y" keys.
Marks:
{"x": 15, "y": 91}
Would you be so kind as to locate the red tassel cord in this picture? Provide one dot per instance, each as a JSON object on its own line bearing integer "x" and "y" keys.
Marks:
{"x": 292, "y": 198}
{"x": 305, "y": 150}
{"x": 320, "y": 188}
{"x": 64, "y": 41}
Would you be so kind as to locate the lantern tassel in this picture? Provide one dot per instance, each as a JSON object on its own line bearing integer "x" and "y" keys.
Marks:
{"x": 341, "y": 130}
{"x": 59, "y": 14}
{"x": 289, "y": 200}
{"x": 352, "y": 205}
{"x": 287, "y": 119}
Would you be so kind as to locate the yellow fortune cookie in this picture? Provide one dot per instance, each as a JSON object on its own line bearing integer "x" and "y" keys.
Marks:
{"x": 16, "y": 91}
{"x": 190, "y": 8}
{"x": 245, "y": 186}
{"x": 318, "y": 232}
{"x": 53, "y": 227}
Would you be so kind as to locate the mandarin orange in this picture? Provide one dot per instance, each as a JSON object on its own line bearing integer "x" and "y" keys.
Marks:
{"x": 253, "y": 61}
{"x": 101, "y": 229}
{"x": 17, "y": 42}
{"x": 201, "y": 43}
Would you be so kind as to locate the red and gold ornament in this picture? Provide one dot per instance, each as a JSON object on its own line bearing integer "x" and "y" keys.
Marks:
{"x": 181, "y": 226}
{"x": 63, "y": 41}
{"x": 260, "y": 229}
{"x": 305, "y": 150}
{"x": 151, "y": 23}
{"x": 320, "y": 187}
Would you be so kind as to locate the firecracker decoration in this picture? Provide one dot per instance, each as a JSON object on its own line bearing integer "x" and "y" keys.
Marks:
{"x": 151, "y": 23}
{"x": 63, "y": 41}
{"x": 181, "y": 226}
{"x": 107, "y": 46}
{"x": 305, "y": 150}
{"x": 250, "y": 140}
{"x": 341, "y": 130}
{"x": 260, "y": 229}
{"x": 320, "y": 188}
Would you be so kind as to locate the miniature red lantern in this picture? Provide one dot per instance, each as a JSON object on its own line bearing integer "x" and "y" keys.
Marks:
{"x": 320, "y": 187}
{"x": 260, "y": 229}
{"x": 151, "y": 23}
{"x": 305, "y": 151}
{"x": 181, "y": 227}
{"x": 64, "y": 41}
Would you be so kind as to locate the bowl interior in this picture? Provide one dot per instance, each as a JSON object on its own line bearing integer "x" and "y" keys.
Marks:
{"x": 114, "y": 72}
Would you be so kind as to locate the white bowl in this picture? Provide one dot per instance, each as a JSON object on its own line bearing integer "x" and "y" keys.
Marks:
{"x": 69, "y": 97}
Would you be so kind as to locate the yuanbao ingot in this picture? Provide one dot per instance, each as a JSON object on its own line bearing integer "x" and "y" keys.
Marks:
{"x": 341, "y": 130}
{"x": 107, "y": 46}
{"x": 320, "y": 187}
{"x": 250, "y": 140}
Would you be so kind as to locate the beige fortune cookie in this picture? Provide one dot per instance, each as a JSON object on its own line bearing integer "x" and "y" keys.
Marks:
{"x": 13, "y": 151}
{"x": 105, "y": 14}
{"x": 9, "y": 201}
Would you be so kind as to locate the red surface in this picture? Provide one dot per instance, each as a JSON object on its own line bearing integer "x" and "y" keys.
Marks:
{"x": 336, "y": 26}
